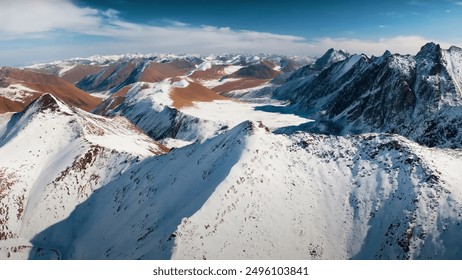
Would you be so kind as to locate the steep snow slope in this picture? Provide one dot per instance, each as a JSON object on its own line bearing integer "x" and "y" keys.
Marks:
{"x": 330, "y": 57}
{"x": 150, "y": 106}
{"x": 289, "y": 86}
{"x": 453, "y": 59}
{"x": 250, "y": 194}
{"x": 52, "y": 157}
{"x": 415, "y": 96}
{"x": 320, "y": 197}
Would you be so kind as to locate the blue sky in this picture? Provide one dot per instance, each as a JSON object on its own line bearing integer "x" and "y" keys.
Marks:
{"x": 44, "y": 30}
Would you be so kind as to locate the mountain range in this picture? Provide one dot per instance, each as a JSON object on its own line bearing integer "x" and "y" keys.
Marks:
{"x": 164, "y": 156}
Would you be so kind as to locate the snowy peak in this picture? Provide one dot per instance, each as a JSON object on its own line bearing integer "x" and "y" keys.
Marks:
{"x": 248, "y": 128}
{"x": 53, "y": 156}
{"x": 429, "y": 59}
{"x": 455, "y": 50}
{"x": 44, "y": 104}
{"x": 361, "y": 197}
{"x": 429, "y": 50}
{"x": 160, "y": 190}
{"x": 414, "y": 96}
{"x": 97, "y": 130}
{"x": 453, "y": 64}
{"x": 386, "y": 54}
{"x": 439, "y": 79}
{"x": 48, "y": 102}
{"x": 330, "y": 57}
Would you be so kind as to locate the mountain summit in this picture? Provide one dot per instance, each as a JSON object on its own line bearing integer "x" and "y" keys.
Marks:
{"x": 53, "y": 156}
{"x": 417, "y": 96}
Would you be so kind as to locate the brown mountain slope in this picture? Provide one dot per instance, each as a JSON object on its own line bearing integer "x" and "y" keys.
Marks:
{"x": 239, "y": 84}
{"x": 39, "y": 83}
{"x": 79, "y": 72}
{"x": 184, "y": 97}
{"x": 157, "y": 72}
{"x": 7, "y": 105}
{"x": 261, "y": 70}
{"x": 213, "y": 73}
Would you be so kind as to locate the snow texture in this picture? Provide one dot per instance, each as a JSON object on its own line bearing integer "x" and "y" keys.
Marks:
{"x": 347, "y": 157}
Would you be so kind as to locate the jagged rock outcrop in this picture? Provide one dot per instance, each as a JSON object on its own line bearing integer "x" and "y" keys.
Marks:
{"x": 418, "y": 96}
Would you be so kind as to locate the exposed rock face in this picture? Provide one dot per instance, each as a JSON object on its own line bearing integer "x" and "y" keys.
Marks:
{"x": 330, "y": 57}
{"x": 418, "y": 96}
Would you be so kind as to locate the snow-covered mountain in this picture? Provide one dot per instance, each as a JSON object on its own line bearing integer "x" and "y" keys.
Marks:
{"x": 53, "y": 157}
{"x": 346, "y": 157}
{"x": 161, "y": 94}
{"x": 418, "y": 97}
{"x": 330, "y": 57}
{"x": 133, "y": 86}
{"x": 75, "y": 69}
{"x": 119, "y": 80}
{"x": 111, "y": 73}
{"x": 182, "y": 112}
{"x": 250, "y": 194}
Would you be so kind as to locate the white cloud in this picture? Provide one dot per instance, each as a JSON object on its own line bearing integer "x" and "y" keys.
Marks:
{"x": 35, "y": 18}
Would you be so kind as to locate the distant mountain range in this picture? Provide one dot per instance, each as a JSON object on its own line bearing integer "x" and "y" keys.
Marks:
{"x": 418, "y": 97}
{"x": 233, "y": 157}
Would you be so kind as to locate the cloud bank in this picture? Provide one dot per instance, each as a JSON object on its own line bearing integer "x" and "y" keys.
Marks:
{"x": 30, "y": 20}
